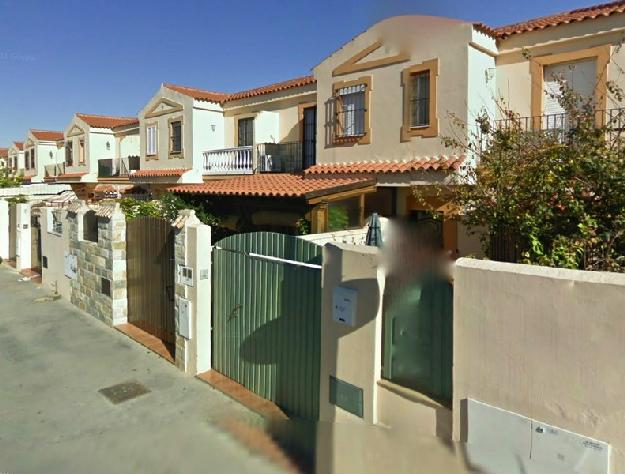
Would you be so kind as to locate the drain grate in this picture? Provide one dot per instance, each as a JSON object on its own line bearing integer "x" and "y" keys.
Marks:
{"x": 123, "y": 392}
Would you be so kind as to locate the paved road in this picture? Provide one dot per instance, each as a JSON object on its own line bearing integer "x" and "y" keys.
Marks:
{"x": 53, "y": 361}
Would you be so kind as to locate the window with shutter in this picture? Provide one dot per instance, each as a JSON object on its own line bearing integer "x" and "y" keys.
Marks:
{"x": 580, "y": 76}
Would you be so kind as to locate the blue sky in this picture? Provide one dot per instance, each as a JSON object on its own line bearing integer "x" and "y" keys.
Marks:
{"x": 58, "y": 57}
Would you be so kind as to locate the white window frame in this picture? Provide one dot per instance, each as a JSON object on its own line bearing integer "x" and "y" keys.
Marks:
{"x": 151, "y": 140}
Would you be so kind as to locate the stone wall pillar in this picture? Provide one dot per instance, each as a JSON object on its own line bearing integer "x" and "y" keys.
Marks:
{"x": 4, "y": 229}
{"x": 192, "y": 250}
{"x": 100, "y": 286}
{"x": 23, "y": 238}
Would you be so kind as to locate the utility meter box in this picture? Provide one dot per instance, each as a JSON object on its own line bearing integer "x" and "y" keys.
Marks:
{"x": 184, "y": 318}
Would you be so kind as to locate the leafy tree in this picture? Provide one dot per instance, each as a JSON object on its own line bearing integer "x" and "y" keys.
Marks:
{"x": 555, "y": 196}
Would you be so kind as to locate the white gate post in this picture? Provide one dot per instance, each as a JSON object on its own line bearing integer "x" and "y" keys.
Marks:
{"x": 4, "y": 229}
{"x": 193, "y": 294}
{"x": 23, "y": 238}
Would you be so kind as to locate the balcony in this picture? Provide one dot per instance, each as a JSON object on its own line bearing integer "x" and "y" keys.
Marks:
{"x": 561, "y": 125}
{"x": 239, "y": 160}
{"x": 52, "y": 171}
{"x": 285, "y": 157}
{"x": 115, "y": 167}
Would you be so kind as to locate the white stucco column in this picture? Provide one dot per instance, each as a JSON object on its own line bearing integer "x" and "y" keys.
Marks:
{"x": 23, "y": 238}
{"x": 193, "y": 294}
{"x": 4, "y": 229}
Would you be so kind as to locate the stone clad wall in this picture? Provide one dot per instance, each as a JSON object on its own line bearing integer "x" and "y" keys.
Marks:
{"x": 95, "y": 261}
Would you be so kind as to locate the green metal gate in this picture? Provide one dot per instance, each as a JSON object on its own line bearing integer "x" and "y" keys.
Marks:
{"x": 266, "y": 317}
{"x": 418, "y": 336}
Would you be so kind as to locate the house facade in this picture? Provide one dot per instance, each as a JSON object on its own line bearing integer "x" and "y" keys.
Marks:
{"x": 582, "y": 47}
{"x": 44, "y": 154}
{"x": 16, "y": 158}
{"x": 97, "y": 148}
{"x": 4, "y": 158}
{"x": 386, "y": 100}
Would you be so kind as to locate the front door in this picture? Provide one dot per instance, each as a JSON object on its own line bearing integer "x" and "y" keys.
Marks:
{"x": 310, "y": 136}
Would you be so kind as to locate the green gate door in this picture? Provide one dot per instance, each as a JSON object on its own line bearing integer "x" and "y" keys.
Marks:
{"x": 266, "y": 317}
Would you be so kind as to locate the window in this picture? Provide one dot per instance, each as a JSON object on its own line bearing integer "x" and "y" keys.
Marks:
{"x": 27, "y": 159}
{"x": 344, "y": 214}
{"x": 69, "y": 153}
{"x": 151, "y": 140}
{"x": 419, "y": 82}
{"x": 420, "y": 99}
{"x": 580, "y": 76}
{"x": 81, "y": 152}
{"x": 32, "y": 158}
{"x": 246, "y": 132}
{"x": 175, "y": 137}
{"x": 351, "y": 114}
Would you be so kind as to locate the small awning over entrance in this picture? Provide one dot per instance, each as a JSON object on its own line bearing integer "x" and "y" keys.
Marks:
{"x": 278, "y": 185}
{"x": 425, "y": 163}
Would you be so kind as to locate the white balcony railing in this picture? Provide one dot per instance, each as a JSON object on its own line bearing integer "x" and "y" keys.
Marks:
{"x": 238, "y": 160}
{"x": 53, "y": 171}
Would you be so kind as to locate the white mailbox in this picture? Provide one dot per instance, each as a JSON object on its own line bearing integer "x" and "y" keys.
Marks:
{"x": 344, "y": 305}
{"x": 184, "y": 318}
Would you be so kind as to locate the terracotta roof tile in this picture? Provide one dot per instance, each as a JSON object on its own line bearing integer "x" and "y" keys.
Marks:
{"x": 278, "y": 86}
{"x": 19, "y": 145}
{"x": 221, "y": 97}
{"x": 47, "y": 135}
{"x": 198, "y": 94}
{"x": 580, "y": 14}
{"x": 4, "y": 152}
{"x": 389, "y": 167}
{"x": 158, "y": 173}
{"x": 274, "y": 185}
{"x": 106, "y": 121}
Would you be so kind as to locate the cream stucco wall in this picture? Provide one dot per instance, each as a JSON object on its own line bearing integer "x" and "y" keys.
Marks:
{"x": 16, "y": 157}
{"x": 277, "y": 115}
{"x": 129, "y": 145}
{"x": 54, "y": 247}
{"x": 46, "y": 153}
{"x": 197, "y": 118}
{"x": 544, "y": 343}
{"x": 513, "y": 69}
{"x": 95, "y": 139}
{"x": 425, "y": 38}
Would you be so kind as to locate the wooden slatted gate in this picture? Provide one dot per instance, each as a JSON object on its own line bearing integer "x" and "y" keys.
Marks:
{"x": 266, "y": 317}
{"x": 151, "y": 276}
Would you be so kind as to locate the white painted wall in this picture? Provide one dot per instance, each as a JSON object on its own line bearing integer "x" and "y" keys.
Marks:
{"x": 23, "y": 238}
{"x": 4, "y": 229}
{"x": 97, "y": 148}
{"x": 204, "y": 138}
{"x": 130, "y": 146}
{"x": 54, "y": 247}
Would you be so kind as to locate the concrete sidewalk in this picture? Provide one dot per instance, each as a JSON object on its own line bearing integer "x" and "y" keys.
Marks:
{"x": 53, "y": 361}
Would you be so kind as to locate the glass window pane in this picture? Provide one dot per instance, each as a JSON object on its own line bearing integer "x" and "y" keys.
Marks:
{"x": 420, "y": 98}
{"x": 344, "y": 214}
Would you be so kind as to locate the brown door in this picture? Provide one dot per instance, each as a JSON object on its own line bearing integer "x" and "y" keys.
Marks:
{"x": 35, "y": 243}
{"x": 150, "y": 254}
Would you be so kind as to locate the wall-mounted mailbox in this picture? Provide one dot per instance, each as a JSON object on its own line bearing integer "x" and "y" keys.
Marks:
{"x": 344, "y": 305}
{"x": 184, "y": 318}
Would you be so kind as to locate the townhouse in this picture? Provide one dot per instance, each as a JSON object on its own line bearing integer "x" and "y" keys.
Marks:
{"x": 43, "y": 153}
{"x": 4, "y": 158}
{"x": 16, "y": 158}
{"x": 99, "y": 148}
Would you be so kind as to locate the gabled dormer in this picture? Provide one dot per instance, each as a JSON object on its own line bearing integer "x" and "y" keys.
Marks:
{"x": 43, "y": 154}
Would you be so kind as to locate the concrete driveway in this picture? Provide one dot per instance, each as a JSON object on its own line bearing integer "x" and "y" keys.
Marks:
{"x": 53, "y": 361}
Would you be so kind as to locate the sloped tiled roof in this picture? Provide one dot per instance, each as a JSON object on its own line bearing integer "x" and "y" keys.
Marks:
{"x": 158, "y": 173}
{"x": 19, "y": 145}
{"x": 274, "y": 185}
{"x": 278, "y": 86}
{"x": 198, "y": 94}
{"x": 221, "y": 97}
{"x": 389, "y": 167}
{"x": 106, "y": 121}
{"x": 572, "y": 16}
{"x": 47, "y": 135}
{"x": 4, "y": 152}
